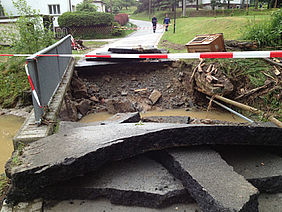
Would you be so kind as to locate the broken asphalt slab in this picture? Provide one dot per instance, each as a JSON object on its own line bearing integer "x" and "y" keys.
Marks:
{"x": 261, "y": 168}
{"x": 67, "y": 155}
{"x": 137, "y": 182}
{"x": 210, "y": 180}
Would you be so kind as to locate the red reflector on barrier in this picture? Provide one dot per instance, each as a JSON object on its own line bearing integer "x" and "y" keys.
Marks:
{"x": 276, "y": 54}
{"x": 217, "y": 55}
{"x": 95, "y": 55}
{"x": 155, "y": 56}
{"x": 6, "y": 55}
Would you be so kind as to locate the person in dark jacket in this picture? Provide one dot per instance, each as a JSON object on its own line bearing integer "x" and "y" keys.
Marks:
{"x": 166, "y": 22}
{"x": 154, "y": 22}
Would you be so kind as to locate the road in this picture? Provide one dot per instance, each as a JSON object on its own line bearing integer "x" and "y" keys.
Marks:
{"x": 144, "y": 37}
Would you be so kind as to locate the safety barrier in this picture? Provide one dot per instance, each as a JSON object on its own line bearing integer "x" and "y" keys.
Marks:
{"x": 246, "y": 54}
{"x": 45, "y": 73}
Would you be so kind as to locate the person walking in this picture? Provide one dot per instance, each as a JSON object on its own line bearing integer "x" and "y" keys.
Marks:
{"x": 166, "y": 22}
{"x": 154, "y": 22}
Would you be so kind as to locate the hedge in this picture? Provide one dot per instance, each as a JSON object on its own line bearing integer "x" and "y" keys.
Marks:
{"x": 77, "y": 19}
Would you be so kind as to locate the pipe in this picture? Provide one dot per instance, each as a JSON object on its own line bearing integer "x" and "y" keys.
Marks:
{"x": 232, "y": 111}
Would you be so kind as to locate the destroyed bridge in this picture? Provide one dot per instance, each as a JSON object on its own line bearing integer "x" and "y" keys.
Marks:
{"x": 218, "y": 167}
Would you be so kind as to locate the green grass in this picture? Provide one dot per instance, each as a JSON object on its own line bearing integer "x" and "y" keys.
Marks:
{"x": 187, "y": 28}
{"x": 13, "y": 80}
{"x": 129, "y": 11}
{"x": 3, "y": 184}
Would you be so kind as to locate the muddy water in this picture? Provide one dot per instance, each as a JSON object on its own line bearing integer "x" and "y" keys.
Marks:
{"x": 93, "y": 117}
{"x": 9, "y": 125}
{"x": 214, "y": 115}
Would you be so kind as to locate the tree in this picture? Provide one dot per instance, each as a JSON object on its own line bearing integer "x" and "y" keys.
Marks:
{"x": 86, "y": 6}
{"x": 28, "y": 35}
{"x": 215, "y": 3}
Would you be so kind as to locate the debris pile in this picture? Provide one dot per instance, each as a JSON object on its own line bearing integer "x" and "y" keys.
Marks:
{"x": 210, "y": 80}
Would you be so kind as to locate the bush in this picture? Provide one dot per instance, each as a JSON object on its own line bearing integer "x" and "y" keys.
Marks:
{"x": 116, "y": 31}
{"x": 266, "y": 33}
{"x": 122, "y": 19}
{"x": 82, "y": 19}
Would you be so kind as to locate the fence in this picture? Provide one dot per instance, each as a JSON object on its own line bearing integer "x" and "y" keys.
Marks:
{"x": 46, "y": 73}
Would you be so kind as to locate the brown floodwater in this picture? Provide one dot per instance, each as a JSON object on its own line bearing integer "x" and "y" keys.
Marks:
{"x": 9, "y": 125}
{"x": 214, "y": 115}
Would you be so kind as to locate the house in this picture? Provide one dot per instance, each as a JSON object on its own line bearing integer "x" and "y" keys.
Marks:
{"x": 206, "y": 4}
{"x": 101, "y": 6}
{"x": 53, "y": 8}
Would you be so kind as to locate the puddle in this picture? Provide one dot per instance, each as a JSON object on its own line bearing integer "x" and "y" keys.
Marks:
{"x": 214, "y": 115}
{"x": 93, "y": 117}
{"x": 9, "y": 125}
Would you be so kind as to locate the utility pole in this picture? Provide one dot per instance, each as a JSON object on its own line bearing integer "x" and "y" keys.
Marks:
{"x": 111, "y": 6}
{"x": 70, "y": 5}
{"x": 174, "y": 16}
{"x": 184, "y": 8}
{"x": 150, "y": 8}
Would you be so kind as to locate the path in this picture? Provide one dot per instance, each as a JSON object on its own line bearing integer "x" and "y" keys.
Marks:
{"x": 144, "y": 37}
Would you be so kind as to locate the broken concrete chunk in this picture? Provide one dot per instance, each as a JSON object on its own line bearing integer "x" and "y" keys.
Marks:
{"x": 260, "y": 168}
{"x": 66, "y": 155}
{"x": 210, "y": 180}
{"x": 136, "y": 182}
{"x": 155, "y": 96}
{"x": 167, "y": 119}
{"x": 83, "y": 106}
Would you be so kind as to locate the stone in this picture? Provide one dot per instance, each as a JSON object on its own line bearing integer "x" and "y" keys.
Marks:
{"x": 210, "y": 180}
{"x": 155, "y": 96}
{"x": 94, "y": 88}
{"x": 108, "y": 79}
{"x": 83, "y": 106}
{"x": 62, "y": 156}
{"x": 124, "y": 93}
{"x": 117, "y": 105}
{"x": 261, "y": 168}
{"x": 94, "y": 99}
{"x": 77, "y": 84}
{"x": 137, "y": 182}
{"x": 79, "y": 94}
{"x": 167, "y": 119}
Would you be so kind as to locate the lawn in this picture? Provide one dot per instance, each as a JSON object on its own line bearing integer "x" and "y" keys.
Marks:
{"x": 187, "y": 28}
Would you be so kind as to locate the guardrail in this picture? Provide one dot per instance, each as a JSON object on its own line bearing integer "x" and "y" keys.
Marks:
{"x": 46, "y": 73}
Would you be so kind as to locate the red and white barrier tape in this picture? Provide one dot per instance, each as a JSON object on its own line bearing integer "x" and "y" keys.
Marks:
{"x": 249, "y": 54}
{"x": 32, "y": 87}
{"x": 159, "y": 26}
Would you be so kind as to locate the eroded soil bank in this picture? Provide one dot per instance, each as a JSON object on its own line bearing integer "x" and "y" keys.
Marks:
{"x": 162, "y": 86}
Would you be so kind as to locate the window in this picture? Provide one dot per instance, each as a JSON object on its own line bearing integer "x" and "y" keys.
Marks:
{"x": 54, "y": 9}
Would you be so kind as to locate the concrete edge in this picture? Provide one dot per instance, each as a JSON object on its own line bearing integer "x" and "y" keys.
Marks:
{"x": 24, "y": 135}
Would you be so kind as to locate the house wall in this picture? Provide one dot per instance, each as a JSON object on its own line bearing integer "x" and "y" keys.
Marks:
{"x": 100, "y": 7}
{"x": 42, "y": 6}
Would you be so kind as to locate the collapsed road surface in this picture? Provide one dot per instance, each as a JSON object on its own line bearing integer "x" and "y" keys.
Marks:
{"x": 79, "y": 151}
